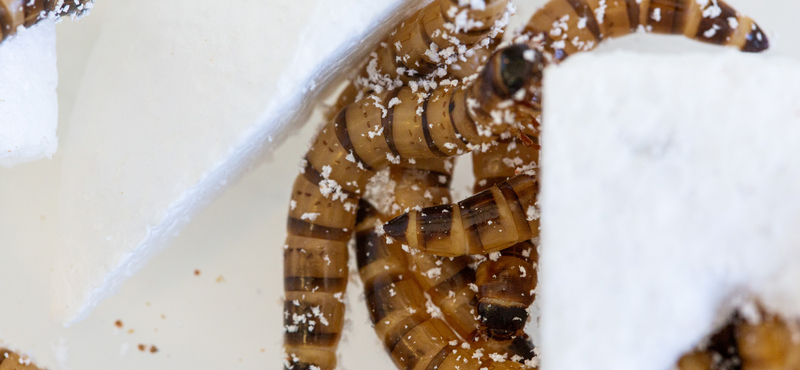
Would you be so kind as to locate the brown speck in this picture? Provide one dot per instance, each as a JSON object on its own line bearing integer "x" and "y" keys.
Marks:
{"x": 130, "y": 331}
{"x": 118, "y": 323}
{"x": 153, "y": 349}
{"x": 141, "y": 347}
{"x": 197, "y": 272}
{"x": 147, "y": 304}
{"x": 42, "y": 217}
{"x": 163, "y": 317}
{"x": 263, "y": 350}
{"x": 220, "y": 279}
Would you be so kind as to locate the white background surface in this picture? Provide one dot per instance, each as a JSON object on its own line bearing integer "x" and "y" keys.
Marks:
{"x": 233, "y": 324}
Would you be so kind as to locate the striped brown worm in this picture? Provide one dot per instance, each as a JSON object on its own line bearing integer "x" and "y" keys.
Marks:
{"x": 506, "y": 280}
{"x": 429, "y": 40}
{"x": 10, "y": 360}
{"x": 413, "y": 334}
{"x": 496, "y": 219}
{"x": 565, "y": 27}
{"x": 760, "y": 342}
{"x": 367, "y": 136}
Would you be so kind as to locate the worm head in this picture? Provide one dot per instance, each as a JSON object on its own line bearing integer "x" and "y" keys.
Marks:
{"x": 511, "y": 84}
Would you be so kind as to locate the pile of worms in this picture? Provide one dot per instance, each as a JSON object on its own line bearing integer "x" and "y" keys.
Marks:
{"x": 449, "y": 285}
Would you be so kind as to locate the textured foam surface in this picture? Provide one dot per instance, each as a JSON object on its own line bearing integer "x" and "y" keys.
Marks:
{"x": 178, "y": 98}
{"x": 671, "y": 188}
{"x": 28, "y": 105}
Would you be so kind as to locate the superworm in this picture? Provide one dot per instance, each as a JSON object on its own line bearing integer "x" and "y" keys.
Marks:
{"x": 449, "y": 282}
{"x": 565, "y": 27}
{"x": 26, "y": 13}
{"x": 492, "y": 220}
{"x": 10, "y": 360}
{"x": 506, "y": 280}
{"x": 441, "y": 30}
{"x": 429, "y": 35}
{"x": 365, "y": 137}
{"x": 414, "y": 337}
{"x": 765, "y": 342}
{"x": 496, "y": 219}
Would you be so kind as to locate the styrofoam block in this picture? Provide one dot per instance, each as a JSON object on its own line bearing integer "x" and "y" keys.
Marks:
{"x": 671, "y": 188}
{"x": 178, "y": 98}
{"x": 28, "y": 105}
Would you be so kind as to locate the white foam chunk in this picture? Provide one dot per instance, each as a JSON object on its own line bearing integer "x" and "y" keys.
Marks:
{"x": 180, "y": 97}
{"x": 671, "y": 189}
{"x": 28, "y": 105}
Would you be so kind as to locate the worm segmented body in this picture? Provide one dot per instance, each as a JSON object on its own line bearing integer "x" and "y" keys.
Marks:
{"x": 492, "y": 220}
{"x": 507, "y": 279}
{"x": 565, "y": 27}
{"x": 767, "y": 342}
{"x": 431, "y": 38}
{"x": 414, "y": 337}
{"x": 430, "y": 45}
{"x": 411, "y": 122}
{"x": 449, "y": 282}
{"x": 365, "y": 137}
{"x": 26, "y": 13}
{"x": 12, "y": 361}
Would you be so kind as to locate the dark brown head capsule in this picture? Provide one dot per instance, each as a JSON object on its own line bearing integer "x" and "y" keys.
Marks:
{"x": 510, "y": 70}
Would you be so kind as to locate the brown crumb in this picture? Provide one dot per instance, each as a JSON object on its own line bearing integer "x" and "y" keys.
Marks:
{"x": 130, "y": 331}
{"x": 142, "y": 347}
{"x": 118, "y": 323}
{"x": 197, "y": 272}
{"x": 220, "y": 279}
{"x": 153, "y": 349}
{"x": 163, "y": 317}
{"x": 262, "y": 350}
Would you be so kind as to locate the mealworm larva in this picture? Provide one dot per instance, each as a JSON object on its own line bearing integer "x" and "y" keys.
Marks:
{"x": 489, "y": 221}
{"x": 505, "y": 281}
{"x": 448, "y": 281}
{"x": 413, "y": 50}
{"x": 770, "y": 344}
{"x": 315, "y": 273}
{"x": 26, "y": 13}
{"x": 765, "y": 342}
{"x": 12, "y": 361}
{"x": 414, "y": 338}
{"x": 364, "y": 137}
{"x": 569, "y": 26}
{"x": 562, "y": 26}
{"x": 428, "y": 40}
